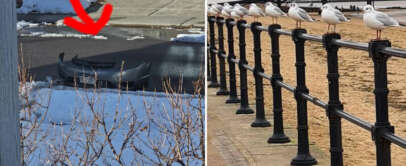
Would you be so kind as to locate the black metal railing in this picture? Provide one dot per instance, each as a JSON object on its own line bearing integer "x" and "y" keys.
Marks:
{"x": 379, "y": 50}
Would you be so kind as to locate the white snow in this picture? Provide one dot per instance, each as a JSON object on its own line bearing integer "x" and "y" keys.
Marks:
{"x": 22, "y": 24}
{"x": 135, "y": 37}
{"x": 50, "y": 6}
{"x": 63, "y": 35}
{"x": 190, "y": 38}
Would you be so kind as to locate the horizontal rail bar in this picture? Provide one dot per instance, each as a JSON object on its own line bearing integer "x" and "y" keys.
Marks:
{"x": 266, "y": 76}
{"x": 314, "y": 100}
{"x": 397, "y": 52}
{"x": 284, "y": 85}
{"x": 361, "y": 123}
{"x": 248, "y": 67}
{"x": 351, "y": 44}
{"x": 236, "y": 61}
{"x": 395, "y": 139}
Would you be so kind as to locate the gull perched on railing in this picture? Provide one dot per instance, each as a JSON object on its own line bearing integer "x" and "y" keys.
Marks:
{"x": 298, "y": 14}
{"x": 378, "y": 20}
{"x": 240, "y": 10}
{"x": 255, "y": 11}
{"x": 332, "y": 16}
{"x": 212, "y": 11}
{"x": 228, "y": 8}
{"x": 273, "y": 11}
{"x": 216, "y": 8}
{"x": 225, "y": 13}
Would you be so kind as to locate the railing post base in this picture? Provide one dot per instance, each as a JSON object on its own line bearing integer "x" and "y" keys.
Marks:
{"x": 278, "y": 138}
{"x": 222, "y": 92}
{"x": 213, "y": 85}
{"x": 233, "y": 100}
{"x": 260, "y": 123}
{"x": 244, "y": 110}
{"x": 303, "y": 159}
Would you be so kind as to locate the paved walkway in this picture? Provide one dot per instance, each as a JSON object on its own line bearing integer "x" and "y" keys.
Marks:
{"x": 231, "y": 140}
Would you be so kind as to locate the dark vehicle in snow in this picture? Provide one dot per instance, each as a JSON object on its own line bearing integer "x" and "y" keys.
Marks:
{"x": 103, "y": 74}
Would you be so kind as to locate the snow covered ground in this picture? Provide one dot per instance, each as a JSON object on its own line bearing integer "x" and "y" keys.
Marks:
{"x": 76, "y": 123}
{"x": 191, "y": 38}
{"x": 50, "y": 6}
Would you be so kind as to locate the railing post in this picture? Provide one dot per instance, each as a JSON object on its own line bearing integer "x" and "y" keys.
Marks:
{"x": 208, "y": 76}
{"x": 303, "y": 155}
{"x": 220, "y": 53}
{"x": 260, "y": 120}
{"x": 278, "y": 133}
{"x": 336, "y": 149}
{"x": 244, "y": 104}
{"x": 213, "y": 72}
{"x": 231, "y": 65}
{"x": 382, "y": 125}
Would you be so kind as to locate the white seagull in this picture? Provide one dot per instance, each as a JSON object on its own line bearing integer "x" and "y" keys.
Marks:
{"x": 240, "y": 10}
{"x": 217, "y": 8}
{"x": 228, "y": 7}
{"x": 298, "y": 14}
{"x": 332, "y": 16}
{"x": 235, "y": 15}
{"x": 273, "y": 11}
{"x": 225, "y": 13}
{"x": 255, "y": 11}
{"x": 378, "y": 20}
{"x": 211, "y": 11}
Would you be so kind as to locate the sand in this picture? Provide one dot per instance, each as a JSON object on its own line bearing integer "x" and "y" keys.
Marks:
{"x": 356, "y": 85}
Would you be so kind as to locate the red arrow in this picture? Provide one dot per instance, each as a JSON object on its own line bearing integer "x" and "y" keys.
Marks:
{"x": 88, "y": 26}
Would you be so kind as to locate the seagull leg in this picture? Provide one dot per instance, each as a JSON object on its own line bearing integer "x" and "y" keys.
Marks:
{"x": 328, "y": 28}
{"x": 334, "y": 28}
{"x": 377, "y": 32}
{"x": 276, "y": 20}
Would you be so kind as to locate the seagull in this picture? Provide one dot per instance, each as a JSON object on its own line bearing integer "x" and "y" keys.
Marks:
{"x": 378, "y": 20}
{"x": 228, "y": 7}
{"x": 211, "y": 11}
{"x": 240, "y": 10}
{"x": 298, "y": 14}
{"x": 225, "y": 13}
{"x": 332, "y": 16}
{"x": 217, "y": 8}
{"x": 255, "y": 12}
{"x": 273, "y": 11}
{"x": 235, "y": 15}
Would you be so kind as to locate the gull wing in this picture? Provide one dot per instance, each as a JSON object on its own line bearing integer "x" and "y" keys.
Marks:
{"x": 303, "y": 14}
{"x": 385, "y": 19}
{"x": 340, "y": 16}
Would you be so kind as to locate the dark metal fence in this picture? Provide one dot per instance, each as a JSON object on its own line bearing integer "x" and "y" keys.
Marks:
{"x": 379, "y": 51}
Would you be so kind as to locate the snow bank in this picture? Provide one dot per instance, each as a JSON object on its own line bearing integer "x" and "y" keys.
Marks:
{"x": 50, "y": 6}
{"x": 63, "y": 35}
{"x": 135, "y": 37}
{"x": 23, "y": 24}
{"x": 190, "y": 38}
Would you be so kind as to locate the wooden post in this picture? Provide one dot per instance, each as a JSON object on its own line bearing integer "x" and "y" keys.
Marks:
{"x": 9, "y": 112}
